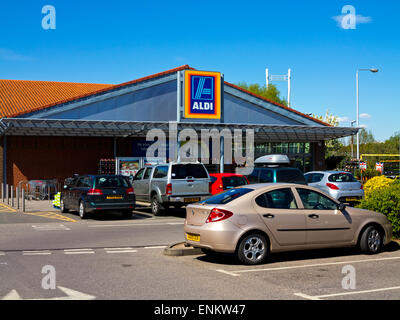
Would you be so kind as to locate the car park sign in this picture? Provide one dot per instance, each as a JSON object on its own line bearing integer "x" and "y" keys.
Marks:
{"x": 202, "y": 94}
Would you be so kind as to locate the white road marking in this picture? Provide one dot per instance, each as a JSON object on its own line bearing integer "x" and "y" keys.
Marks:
{"x": 343, "y": 293}
{"x": 35, "y": 253}
{"x": 78, "y": 251}
{"x": 133, "y": 224}
{"x": 121, "y": 251}
{"x": 227, "y": 272}
{"x": 2, "y": 253}
{"x": 50, "y": 227}
{"x": 234, "y": 272}
{"x": 155, "y": 247}
{"x": 70, "y": 295}
{"x": 306, "y": 296}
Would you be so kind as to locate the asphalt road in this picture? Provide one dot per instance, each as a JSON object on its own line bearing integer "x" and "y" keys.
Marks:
{"x": 116, "y": 258}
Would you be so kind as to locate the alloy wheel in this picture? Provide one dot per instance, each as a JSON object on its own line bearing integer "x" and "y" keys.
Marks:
{"x": 374, "y": 240}
{"x": 254, "y": 249}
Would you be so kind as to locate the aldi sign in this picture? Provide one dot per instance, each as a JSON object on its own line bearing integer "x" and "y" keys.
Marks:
{"x": 202, "y": 94}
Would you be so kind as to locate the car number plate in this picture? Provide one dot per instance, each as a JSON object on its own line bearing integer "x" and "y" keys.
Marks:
{"x": 193, "y": 237}
{"x": 351, "y": 199}
{"x": 114, "y": 197}
{"x": 192, "y": 199}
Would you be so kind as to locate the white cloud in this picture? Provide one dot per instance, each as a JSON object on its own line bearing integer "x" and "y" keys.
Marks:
{"x": 343, "y": 119}
{"x": 363, "y": 126}
{"x": 365, "y": 116}
{"x": 10, "y": 55}
{"x": 359, "y": 19}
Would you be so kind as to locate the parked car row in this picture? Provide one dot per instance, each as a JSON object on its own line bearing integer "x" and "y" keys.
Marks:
{"x": 178, "y": 184}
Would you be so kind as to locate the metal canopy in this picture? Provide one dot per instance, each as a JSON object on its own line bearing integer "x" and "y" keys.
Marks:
{"x": 94, "y": 128}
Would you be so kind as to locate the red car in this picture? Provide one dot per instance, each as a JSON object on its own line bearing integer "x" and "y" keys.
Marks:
{"x": 223, "y": 181}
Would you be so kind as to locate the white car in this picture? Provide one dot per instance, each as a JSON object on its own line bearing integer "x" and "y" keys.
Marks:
{"x": 338, "y": 184}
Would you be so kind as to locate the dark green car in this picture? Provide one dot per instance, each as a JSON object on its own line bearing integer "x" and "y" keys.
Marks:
{"x": 92, "y": 193}
{"x": 276, "y": 175}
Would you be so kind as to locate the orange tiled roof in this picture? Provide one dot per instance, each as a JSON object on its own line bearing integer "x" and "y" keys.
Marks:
{"x": 21, "y": 96}
{"x": 18, "y": 97}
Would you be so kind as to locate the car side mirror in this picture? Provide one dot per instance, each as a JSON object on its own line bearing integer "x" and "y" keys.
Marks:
{"x": 341, "y": 206}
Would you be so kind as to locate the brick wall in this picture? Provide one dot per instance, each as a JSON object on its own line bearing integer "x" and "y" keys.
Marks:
{"x": 54, "y": 157}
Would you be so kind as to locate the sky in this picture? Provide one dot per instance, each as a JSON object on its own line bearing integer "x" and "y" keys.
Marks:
{"x": 116, "y": 41}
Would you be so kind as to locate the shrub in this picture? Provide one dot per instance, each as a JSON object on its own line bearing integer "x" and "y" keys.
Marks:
{"x": 385, "y": 200}
{"x": 376, "y": 183}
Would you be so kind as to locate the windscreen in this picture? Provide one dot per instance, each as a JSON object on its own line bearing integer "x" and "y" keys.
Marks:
{"x": 233, "y": 181}
{"x": 290, "y": 176}
{"x": 227, "y": 196}
{"x": 111, "y": 182}
{"x": 181, "y": 171}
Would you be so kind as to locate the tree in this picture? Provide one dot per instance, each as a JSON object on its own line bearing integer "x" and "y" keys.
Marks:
{"x": 272, "y": 93}
{"x": 334, "y": 145}
{"x": 366, "y": 136}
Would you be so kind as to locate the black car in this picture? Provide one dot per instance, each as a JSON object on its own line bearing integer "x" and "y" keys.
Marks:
{"x": 90, "y": 193}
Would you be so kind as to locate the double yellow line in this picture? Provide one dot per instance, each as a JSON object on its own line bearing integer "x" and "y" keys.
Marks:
{"x": 43, "y": 214}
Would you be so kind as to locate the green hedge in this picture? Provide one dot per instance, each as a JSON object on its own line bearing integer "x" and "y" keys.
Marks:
{"x": 386, "y": 201}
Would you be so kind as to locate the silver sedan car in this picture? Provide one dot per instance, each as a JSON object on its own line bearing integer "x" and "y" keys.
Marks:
{"x": 338, "y": 184}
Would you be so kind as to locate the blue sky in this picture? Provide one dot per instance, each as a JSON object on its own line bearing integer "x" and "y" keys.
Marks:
{"x": 117, "y": 41}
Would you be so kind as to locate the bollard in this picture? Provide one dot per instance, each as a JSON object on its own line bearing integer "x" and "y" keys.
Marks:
{"x": 2, "y": 192}
{"x": 23, "y": 200}
{"x": 12, "y": 196}
{"x": 7, "y": 195}
{"x": 17, "y": 194}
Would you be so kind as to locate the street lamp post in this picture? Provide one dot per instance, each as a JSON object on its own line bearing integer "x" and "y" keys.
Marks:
{"x": 357, "y": 107}
{"x": 352, "y": 140}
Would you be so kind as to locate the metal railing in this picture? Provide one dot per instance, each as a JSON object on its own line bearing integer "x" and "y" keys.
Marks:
{"x": 16, "y": 197}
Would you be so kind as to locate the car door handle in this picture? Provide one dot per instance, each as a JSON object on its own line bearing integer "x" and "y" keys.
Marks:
{"x": 313, "y": 216}
{"x": 269, "y": 216}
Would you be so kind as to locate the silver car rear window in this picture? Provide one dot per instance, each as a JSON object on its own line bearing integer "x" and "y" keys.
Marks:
{"x": 342, "y": 177}
{"x": 182, "y": 171}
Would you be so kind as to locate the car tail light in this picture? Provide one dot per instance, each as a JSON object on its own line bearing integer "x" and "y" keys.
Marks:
{"x": 95, "y": 192}
{"x": 218, "y": 215}
{"x": 130, "y": 191}
{"x": 332, "y": 186}
{"x": 168, "y": 189}
{"x": 362, "y": 187}
{"x": 210, "y": 187}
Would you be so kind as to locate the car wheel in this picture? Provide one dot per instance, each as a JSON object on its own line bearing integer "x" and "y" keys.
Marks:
{"x": 82, "y": 211}
{"x": 253, "y": 249}
{"x": 156, "y": 207}
{"x": 371, "y": 240}
{"x": 63, "y": 208}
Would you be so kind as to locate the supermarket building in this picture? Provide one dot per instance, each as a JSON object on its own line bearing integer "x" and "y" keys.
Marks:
{"x": 51, "y": 130}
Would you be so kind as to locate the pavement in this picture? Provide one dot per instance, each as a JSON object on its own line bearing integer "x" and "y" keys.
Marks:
{"x": 111, "y": 257}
